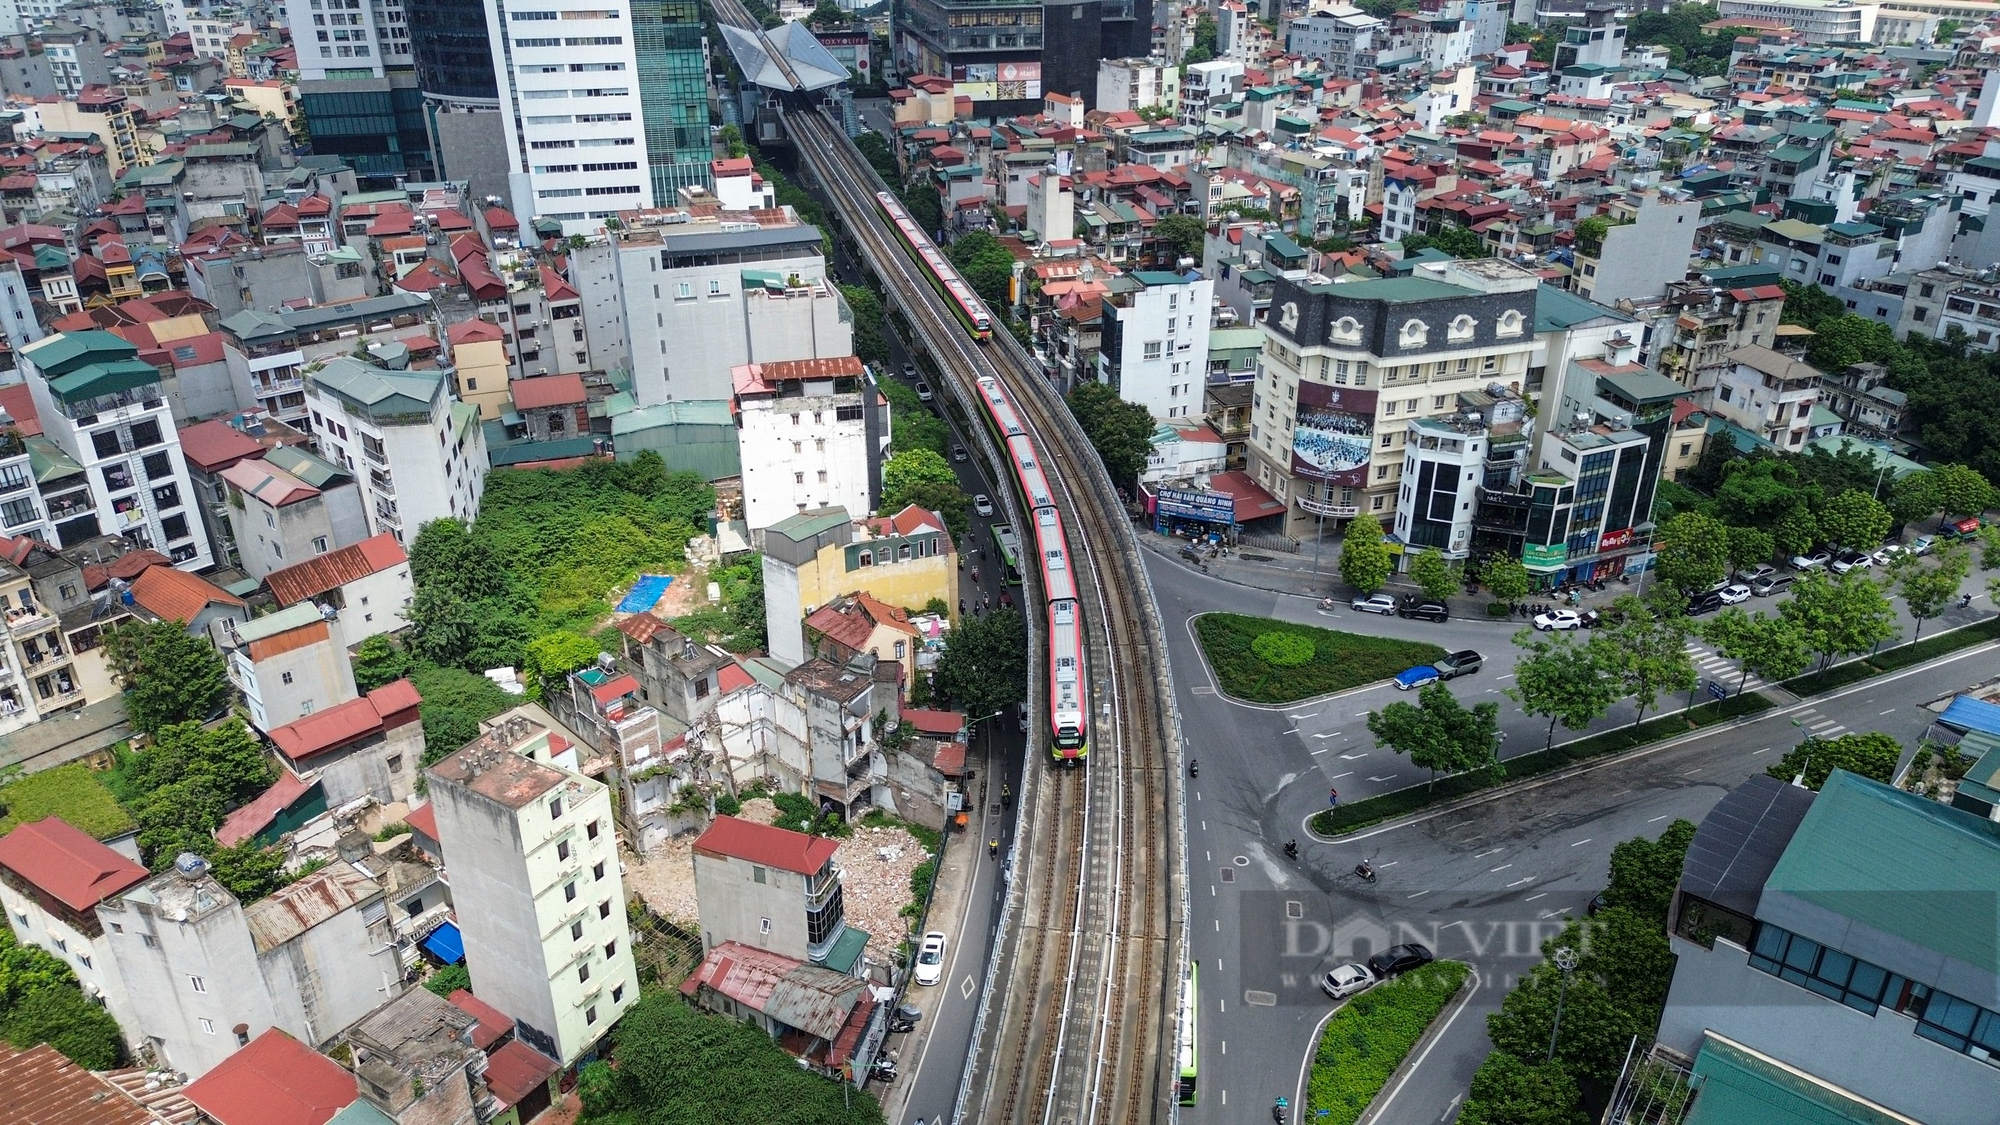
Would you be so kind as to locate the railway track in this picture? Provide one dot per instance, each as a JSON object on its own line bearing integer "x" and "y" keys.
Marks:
{"x": 1079, "y": 1019}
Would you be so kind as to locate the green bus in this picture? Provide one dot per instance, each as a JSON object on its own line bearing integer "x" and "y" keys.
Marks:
{"x": 1007, "y": 546}
{"x": 1186, "y": 1086}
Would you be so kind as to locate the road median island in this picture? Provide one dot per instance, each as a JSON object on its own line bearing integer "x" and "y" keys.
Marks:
{"x": 1262, "y": 660}
{"x": 1366, "y": 1041}
{"x": 1369, "y": 811}
{"x": 1893, "y": 659}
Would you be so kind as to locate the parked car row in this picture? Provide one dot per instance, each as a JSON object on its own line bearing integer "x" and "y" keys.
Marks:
{"x": 1425, "y": 609}
{"x": 1461, "y": 663}
{"x": 1346, "y": 980}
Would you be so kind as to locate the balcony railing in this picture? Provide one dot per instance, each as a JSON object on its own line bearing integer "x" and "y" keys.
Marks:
{"x": 1329, "y": 510}
{"x": 29, "y": 619}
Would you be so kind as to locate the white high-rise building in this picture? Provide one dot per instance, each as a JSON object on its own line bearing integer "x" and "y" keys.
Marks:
{"x": 418, "y": 454}
{"x": 1155, "y": 346}
{"x": 339, "y": 39}
{"x": 811, "y": 435}
{"x": 569, "y": 89}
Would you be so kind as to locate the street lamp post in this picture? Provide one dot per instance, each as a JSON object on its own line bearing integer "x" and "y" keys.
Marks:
{"x": 1566, "y": 960}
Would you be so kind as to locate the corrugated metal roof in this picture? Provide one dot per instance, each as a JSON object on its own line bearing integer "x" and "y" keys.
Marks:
{"x": 291, "y": 911}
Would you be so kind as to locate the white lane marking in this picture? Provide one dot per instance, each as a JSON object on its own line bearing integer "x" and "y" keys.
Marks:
{"x": 1491, "y": 851}
{"x": 1384, "y": 777}
{"x": 1420, "y": 894}
{"x": 1351, "y": 757}
{"x": 1502, "y": 867}
{"x": 1831, "y": 733}
{"x": 1662, "y": 816}
{"x": 1508, "y": 676}
{"x": 1885, "y": 712}
{"x": 1581, "y": 842}
{"x": 1518, "y": 882}
{"x": 1328, "y": 734}
{"x": 1754, "y": 753}
{"x": 1313, "y": 715}
{"x": 1533, "y": 897}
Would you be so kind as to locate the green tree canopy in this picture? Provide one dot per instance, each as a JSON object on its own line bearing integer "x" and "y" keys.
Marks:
{"x": 1872, "y": 755}
{"x": 1771, "y": 647}
{"x": 1796, "y": 531}
{"x": 1365, "y": 563}
{"x": 870, "y": 345}
{"x": 985, "y": 264}
{"x": 1506, "y": 578}
{"x": 1120, "y": 431}
{"x": 1508, "y": 1091}
{"x": 1439, "y": 733}
{"x": 875, "y": 149}
{"x": 1758, "y": 491}
{"x": 1693, "y": 551}
{"x": 1567, "y": 681}
{"x": 1929, "y": 586}
{"x": 1648, "y": 650}
{"x": 1840, "y": 615}
{"x": 1750, "y": 547}
{"x": 1184, "y": 232}
{"x": 984, "y": 667}
{"x": 1644, "y": 872}
{"x": 168, "y": 675}
{"x": 379, "y": 660}
{"x": 912, "y": 467}
{"x": 1458, "y": 241}
{"x": 1854, "y": 519}
{"x": 1914, "y": 497}
{"x": 912, "y": 424}
{"x": 1438, "y": 578}
{"x": 549, "y": 658}
{"x": 1962, "y": 490}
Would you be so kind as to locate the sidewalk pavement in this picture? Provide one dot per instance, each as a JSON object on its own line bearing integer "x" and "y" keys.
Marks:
{"x": 1284, "y": 573}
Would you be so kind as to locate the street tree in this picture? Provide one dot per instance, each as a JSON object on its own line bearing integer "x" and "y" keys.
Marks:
{"x": 1120, "y": 431}
{"x": 1914, "y": 497}
{"x": 1648, "y": 650}
{"x": 1750, "y": 547}
{"x": 1762, "y": 645}
{"x": 1854, "y": 519}
{"x": 914, "y": 466}
{"x": 1595, "y": 1031}
{"x": 1506, "y": 578}
{"x": 1509, "y": 1091}
{"x": 1434, "y": 575}
{"x": 548, "y": 659}
{"x": 1872, "y": 755}
{"x": 1962, "y": 491}
{"x": 984, "y": 263}
{"x": 168, "y": 675}
{"x": 984, "y": 666}
{"x": 1365, "y": 562}
{"x": 1438, "y": 733}
{"x": 870, "y": 345}
{"x": 1644, "y": 872}
{"x": 1796, "y": 531}
{"x": 1568, "y": 682}
{"x": 1692, "y": 551}
{"x": 1840, "y": 614}
{"x": 1930, "y": 585}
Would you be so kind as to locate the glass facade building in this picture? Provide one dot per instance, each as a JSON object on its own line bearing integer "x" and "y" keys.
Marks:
{"x": 673, "y": 85}
{"x": 453, "y": 56}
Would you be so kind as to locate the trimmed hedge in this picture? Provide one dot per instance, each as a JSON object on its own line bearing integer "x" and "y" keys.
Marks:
{"x": 1891, "y": 659}
{"x": 1355, "y": 815}
{"x": 1339, "y": 660}
{"x": 73, "y": 792}
{"x": 1367, "y": 1040}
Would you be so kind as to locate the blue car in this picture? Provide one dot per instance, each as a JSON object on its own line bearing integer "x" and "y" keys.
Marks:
{"x": 1416, "y": 677}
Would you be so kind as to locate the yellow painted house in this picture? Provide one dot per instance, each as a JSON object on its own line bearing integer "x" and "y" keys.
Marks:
{"x": 815, "y": 557}
{"x": 479, "y": 353}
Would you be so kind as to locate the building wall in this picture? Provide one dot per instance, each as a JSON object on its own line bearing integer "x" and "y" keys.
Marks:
{"x": 1641, "y": 257}
{"x": 482, "y": 376}
{"x": 798, "y": 454}
{"x": 1879, "y": 1057}
{"x": 272, "y": 538}
{"x": 384, "y": 768}
{"x": 320, "y": 677}
{"x": 86, "y": 955}
{"x": 1159, "y": 356}
{"x": 378, "y": 603}
{"x": 159, "y": 976}
{"x": 749, "y": 903}
{"x": 910, "y": 583}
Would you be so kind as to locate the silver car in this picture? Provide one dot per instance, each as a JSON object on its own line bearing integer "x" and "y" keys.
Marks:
{"x": 1347, "y": 980}
{"x": 1374, "y": 603}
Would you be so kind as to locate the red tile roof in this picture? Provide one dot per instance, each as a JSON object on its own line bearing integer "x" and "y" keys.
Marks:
{"x": 268, "y": 483}
{"x": 40, "y": 1087}
{"x": 944, "y": 724}
{"x": 949, "y": 759}
{"x": 473, "y": 331}
{"x": 336, "y": 568}
{"x": 391, "y": 705}
{"x": 781, "y": 848}
{"x": 557, "y": 288}
{"x": 732, "y": 676}
{"x": 65, "y": 863}
{"x": 493, "y": 1024}
{"x": 545, "y": 391}
{"x": 642, "y": 627}
{"x": 19, "y": 403}
{"x": 424, "y": 819}
{"x": 256, "y": 816}
{"x": 516, "y": 1069}
{"x": 614, "y": 689}
{"x": 214, "y": 446}
{"x": 276, "y": 1080}
{"x": 499, "y": 218}
{"x": 176, "y": 595}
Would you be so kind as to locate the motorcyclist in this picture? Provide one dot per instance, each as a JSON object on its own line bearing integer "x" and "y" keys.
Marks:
{"x": 1292, "y": 848}
{"x": 993, "y": 848}
{"x": 1194, "y": 767}
{"x": 1366, "y": 872}
{"x": 1278, "y": 1110}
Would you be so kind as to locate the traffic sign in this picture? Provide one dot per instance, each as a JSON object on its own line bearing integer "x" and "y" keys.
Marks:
{"x": 1717, "y": 690}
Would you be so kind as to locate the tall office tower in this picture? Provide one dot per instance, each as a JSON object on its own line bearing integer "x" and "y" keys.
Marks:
{"x": 606, "y": 108}
{"x": 358, "y": 85}
{"x": 461, "y": 97}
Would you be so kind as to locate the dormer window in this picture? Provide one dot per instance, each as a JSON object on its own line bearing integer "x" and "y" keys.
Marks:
{"x": 1510, "y": 323}
{"x": 1462, "y": 327}
{"x": 1414, "y": 334}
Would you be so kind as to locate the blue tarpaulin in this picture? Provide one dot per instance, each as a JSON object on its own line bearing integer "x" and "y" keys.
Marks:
{"x": 445, "y": 944}
{"x": 1967, "y": 713}
{"x": 645, "y": 592}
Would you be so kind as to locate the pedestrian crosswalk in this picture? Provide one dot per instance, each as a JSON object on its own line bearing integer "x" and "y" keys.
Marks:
{"x": 1713, "y": 667}
{"x": 1817, "y": 725}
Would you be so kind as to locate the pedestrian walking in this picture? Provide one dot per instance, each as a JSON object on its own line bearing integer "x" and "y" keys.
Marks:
{"x": 1333, "y": 798}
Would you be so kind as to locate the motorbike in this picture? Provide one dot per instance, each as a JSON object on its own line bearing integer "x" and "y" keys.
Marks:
{"x": 884, "y": 1072}
{"x": 1194, "y": 768}
{"x": 1279, "y": 1111}
{"x": 1326, "y": 603}
{"x": 897, "y": 1027}
{"x": 1366, "y": 873}
{"x": 1292, "y": 849}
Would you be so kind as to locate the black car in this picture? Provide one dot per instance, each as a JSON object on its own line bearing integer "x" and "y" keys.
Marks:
{"x": 1399, "y": 959}
{"x": 1425, "y": 610}
{"x": 1704, "y": 603}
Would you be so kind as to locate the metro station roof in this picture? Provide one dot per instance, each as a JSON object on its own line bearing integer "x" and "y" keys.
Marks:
{"x": 786, "y": 57}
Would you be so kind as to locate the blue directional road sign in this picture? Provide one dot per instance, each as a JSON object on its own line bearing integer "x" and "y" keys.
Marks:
{"x": 1717, "y": 690}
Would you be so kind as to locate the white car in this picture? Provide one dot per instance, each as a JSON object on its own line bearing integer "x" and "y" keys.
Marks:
{"x": 1558, "y": 620}
{"x": 930, "y": 958}
{"x": 909, "y": 371}
{"x": 983, "y": 504}
{"x": 1889, "y": 554}
{"x": 1813, "y": 561}
{"x": 923, "y": 391}
{"x": 1374, "y": 603}
{"x": 1347, "y": 980}
{"x": 1734, "y": 594}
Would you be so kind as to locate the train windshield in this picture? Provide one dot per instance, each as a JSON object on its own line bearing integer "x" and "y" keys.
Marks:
{"x": 1069, "y": 737}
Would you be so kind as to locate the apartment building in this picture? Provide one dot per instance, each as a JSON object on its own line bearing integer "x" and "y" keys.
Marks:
{"x": 1708, "y": 323}
{"x": 1647, "y": 245}
{"x": 417, "y": 454}
{"x": 1347, "y": 365}
{"x": 1819, "y": 21}
{"x": 1811, "y": 957}
{"x": 1154, "y": 348}
{"x": 811, "y": 434}
{"x": 1348, "y": 40}
{"x": 205, "y": 973}
{"x": 600, "y": 118}
{"x": 271, "y": 351}
{"x": 824, "y": 715}
{"x": 1768, "y": 395}
{"x": 812, "y": 557}
{"x": 680, "y": 299}
{"x": 366, "y": 584}
{"x": 771, "y": 888}
{"x": 1444, "y": 463}
{"x": 104, "y": 408}
{"x": 52, "y": 878}
{"x": 534, "y": 877}
{"x": 1135, "y": 84}
{"x": 288, "y": 665}
{"x": 366, "y": 747}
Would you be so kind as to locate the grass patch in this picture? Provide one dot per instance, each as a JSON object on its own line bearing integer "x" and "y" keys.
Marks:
{"x": 1402, "y": 802}
{"x": 1339, "y": 660}
{"x": 73, "y": 792}
{"x": 1891, "y": 659}
{"x": 1366, "y": 1041}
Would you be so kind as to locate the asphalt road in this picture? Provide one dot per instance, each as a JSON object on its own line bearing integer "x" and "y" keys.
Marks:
{"x": 1486, "y": 884}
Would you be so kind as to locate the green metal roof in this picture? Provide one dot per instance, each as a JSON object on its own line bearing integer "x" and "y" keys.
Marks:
{"x": 847, "y": 949}
{"x": 283, "y": 621}
{"x": 48, "y": 462}
{"x": 1159, "y": 277}
{"x": 501, "y": 454}
{"x": 377, "y": 391}
{"x": 1852, "y": 856}
{"x": 806, "y": 525}
{"x": 95, "y": 379}
{"x": 1558, "y": 309}
{"x": 628, "y": 417}
{"x": 1739, "y": 1086}
{"x": 67, "y": 351}
{"x": 1235, "y": 339}
{"x": 1643, "y": 387}
{"x": 305, "y": 465}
